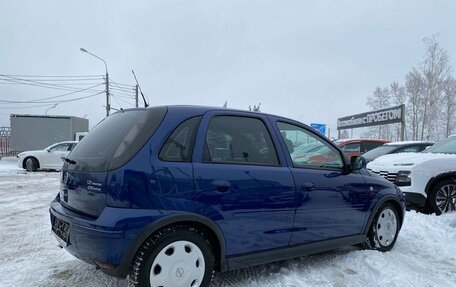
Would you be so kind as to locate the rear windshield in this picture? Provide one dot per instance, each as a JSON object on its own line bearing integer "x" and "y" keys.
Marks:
{"x": 115, "y": 140}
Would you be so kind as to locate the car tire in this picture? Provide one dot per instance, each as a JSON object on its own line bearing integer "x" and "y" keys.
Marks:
{"x": 442, "y": 198}
{"x": 31, "y": 164}
{"x": 178, "y": 247}
{"x": 384, "y": 230}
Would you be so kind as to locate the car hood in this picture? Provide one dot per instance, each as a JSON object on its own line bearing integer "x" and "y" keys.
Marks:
{"x": 29, "y": 152}
{"x": 408, "y": 158}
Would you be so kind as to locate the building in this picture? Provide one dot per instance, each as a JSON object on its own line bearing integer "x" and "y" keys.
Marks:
{"x": 31, "y": 132}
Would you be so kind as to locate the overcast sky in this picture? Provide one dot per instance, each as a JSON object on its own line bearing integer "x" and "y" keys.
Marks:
{"x": 314, "y": 61}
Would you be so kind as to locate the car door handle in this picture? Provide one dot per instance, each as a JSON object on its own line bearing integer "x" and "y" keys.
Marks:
{"x": 221, "y": 185}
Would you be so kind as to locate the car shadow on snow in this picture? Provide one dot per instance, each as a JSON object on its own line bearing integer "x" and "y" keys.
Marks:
{"x": 272, "y": 274}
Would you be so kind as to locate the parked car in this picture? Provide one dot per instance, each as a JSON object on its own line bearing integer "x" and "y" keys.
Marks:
{"x": 397, "y": 147}
{"x": 427, "y": 178}
{"x": 48, "y": 158}
{"x": 168, "y": 195}
{"x": 352, "y": 147}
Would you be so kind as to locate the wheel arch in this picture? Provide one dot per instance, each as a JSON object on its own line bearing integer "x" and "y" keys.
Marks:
{"x": 438, "y": 178}
{"x": 387, "y": 199}
{"x": 201, "y": 223}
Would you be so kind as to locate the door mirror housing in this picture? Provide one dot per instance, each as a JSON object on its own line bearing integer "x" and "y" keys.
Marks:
{"x": 357, "y": 162}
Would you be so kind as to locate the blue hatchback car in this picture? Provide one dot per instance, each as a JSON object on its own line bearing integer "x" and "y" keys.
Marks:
{"x": 169, "y": 195}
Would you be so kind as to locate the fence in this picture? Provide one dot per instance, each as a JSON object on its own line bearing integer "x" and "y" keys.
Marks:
{"x": 5, "y": 142}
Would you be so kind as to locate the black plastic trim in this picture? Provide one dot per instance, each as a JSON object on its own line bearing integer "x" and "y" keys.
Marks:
{"x": 414, "y": 199}
{"x": 124, "y": 268}
{"x": 292, "y": 251}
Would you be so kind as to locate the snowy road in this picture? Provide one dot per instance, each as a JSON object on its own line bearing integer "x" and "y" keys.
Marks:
{"x": 425, "y": 253}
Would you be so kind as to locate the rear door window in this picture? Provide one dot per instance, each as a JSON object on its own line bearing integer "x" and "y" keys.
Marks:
{"x": 179, "y": 145}
{"x": 233, "y": 139}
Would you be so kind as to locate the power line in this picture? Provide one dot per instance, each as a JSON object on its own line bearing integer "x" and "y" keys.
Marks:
{"x": 115, "y": 84}
{"x": 48, "y": 98}
{"x": 38, "y": 83}
{"x": 56, "y": 102}
{"x": 10, "y": 108}
{"x": 54, "y": 76}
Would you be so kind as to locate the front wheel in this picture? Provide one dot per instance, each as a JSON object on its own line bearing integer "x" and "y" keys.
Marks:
{"x": 442, "y": 198}
{"x": 31, "y": 164}
{"x": 384, "y": 229}
{"x": 175, "y": 256}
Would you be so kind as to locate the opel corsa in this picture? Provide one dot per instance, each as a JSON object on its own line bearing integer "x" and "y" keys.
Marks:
{"x": 166, "y": 196}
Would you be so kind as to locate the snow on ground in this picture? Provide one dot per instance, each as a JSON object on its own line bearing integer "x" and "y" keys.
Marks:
{"x": 424, "y": 255}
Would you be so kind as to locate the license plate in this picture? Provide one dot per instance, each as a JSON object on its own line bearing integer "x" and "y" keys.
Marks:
{"x": 61, "y": 230}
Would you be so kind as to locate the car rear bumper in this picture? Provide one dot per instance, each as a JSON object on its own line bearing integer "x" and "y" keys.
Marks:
{"x": 107, "y": 238}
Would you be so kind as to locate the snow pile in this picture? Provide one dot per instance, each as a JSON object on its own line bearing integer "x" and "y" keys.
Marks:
{"x": 425, "y": 253}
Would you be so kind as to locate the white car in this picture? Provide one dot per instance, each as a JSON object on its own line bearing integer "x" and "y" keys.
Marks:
{"x": 48, "y": 158}
{"x": 428, "y": 179}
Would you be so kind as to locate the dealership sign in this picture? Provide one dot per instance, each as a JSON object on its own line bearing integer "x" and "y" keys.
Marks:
{"x": 374, "y": 118}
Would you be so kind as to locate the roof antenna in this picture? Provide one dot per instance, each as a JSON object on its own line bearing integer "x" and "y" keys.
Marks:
{"x": 144, "y": 99}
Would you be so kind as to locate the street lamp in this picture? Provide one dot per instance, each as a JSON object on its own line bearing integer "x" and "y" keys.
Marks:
{"x": 108, "y": 106}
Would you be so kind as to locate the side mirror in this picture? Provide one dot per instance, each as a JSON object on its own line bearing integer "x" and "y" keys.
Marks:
{"x": 357, "y": 162}
{"x": 48, "y": 150}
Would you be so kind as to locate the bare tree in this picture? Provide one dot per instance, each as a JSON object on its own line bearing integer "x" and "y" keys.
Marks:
{"x": 379, "y": 100}
{"x": 429, "y": 93}
{"x": 435, "y": 70}
{"x": 397, "y": 97}
{"x": 255, "y": 108}
{"x": 414, "y": 92}
{"x": 449, "y": 104}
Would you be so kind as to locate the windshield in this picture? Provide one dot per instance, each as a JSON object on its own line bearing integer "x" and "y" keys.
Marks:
{"x": 115, "y": 140}
{"x": 445, "y": 146}
{"x": 378, "y": 151}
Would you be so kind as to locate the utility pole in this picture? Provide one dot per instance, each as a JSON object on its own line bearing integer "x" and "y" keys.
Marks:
{"x": 136, "y": 94}
{"x": 108, "y": 105}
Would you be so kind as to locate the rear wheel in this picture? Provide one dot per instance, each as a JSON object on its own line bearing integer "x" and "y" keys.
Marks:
{"x": 384, "y": 229}
{"x": 175, "y": 256}
{"x": 31, "y": 164}
{"x": 442, "y": 198}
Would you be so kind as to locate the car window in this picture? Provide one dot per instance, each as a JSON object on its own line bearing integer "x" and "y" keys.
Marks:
{"x": 71, "y": 146}
{"x": 308, "y": 150}
{"x": 445, "y": 146}
{"x": 179, "y": 145}
{"x": 378, "y": 151}
{"x": 233, "y": 139}
{"x": 409, "y": 149}
{"x": 371, "y": 145}
{"x": 117, "y": 139}
{"x": 351, "y": 147}
{"x": 61, "y": 147}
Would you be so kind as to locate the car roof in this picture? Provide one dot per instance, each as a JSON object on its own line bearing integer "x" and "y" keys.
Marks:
{"x": 401, "y": 143}
{"x": 197, "y": 109}
{"x": 346, "y": 141}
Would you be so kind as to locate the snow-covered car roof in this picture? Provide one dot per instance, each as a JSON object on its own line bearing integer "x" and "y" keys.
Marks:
{"x": 410, "y": 142}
